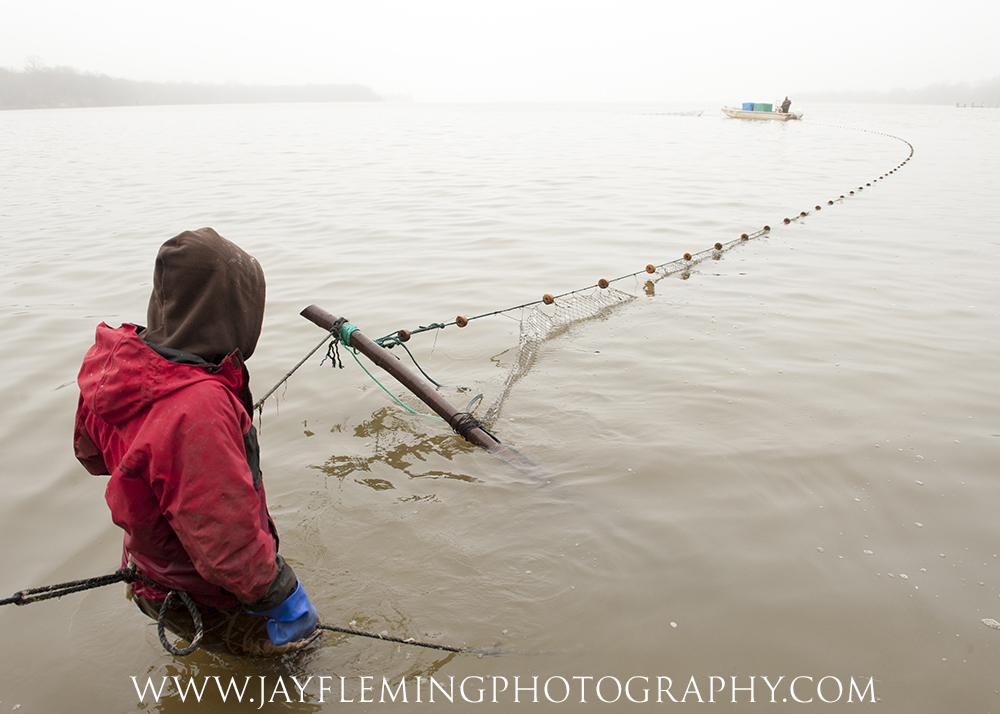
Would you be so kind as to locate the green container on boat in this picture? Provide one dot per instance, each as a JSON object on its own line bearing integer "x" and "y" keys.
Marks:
{"x": 763, "y": 107}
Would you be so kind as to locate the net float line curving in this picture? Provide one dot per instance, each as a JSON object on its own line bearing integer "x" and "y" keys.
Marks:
{"x": 594, "y": 300}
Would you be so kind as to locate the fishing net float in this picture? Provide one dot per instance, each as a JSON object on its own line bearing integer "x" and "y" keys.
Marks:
{"x": 540, "y": 321}
{"x": 552, "y": 315}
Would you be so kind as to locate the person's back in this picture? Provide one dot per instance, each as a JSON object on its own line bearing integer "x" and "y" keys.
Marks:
{"x": 165, "y": 410}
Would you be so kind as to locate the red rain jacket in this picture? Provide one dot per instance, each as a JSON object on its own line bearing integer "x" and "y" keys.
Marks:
{"x": 172, "y": 438}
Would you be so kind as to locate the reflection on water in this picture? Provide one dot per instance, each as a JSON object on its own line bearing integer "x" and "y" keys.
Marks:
{"x": 398, "y": 442}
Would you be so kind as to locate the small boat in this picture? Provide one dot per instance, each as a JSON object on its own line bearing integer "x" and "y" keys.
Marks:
{"x": 746, "y": 114}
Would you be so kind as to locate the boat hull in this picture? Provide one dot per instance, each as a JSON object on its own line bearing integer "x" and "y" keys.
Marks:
{"x": 767, "y": 116}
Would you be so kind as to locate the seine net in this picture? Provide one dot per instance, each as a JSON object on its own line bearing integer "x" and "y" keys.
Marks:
{"x": 542, "y": 323}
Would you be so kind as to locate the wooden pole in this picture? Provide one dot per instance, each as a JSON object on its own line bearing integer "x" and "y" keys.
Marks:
{"x": 457, "y": 420}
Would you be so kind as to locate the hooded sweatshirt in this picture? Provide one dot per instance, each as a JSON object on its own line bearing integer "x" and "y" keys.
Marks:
{"x": 166, "y": 412}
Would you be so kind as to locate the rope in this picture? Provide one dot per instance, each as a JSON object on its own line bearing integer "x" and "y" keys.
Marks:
{"x": 394, "y": 397}
{"x": 123, "y": 575}
{"x": 662, "y": 270}
{"x": 415, "y": 363}
{"x": 199, "y": 629}
{"x": 569, "y": 308}
{"x": 410, "y": 641}
{"x": 340, "y": 332}
{"x": 47, "y": 592}
{"x": 130, "y": 574}
{"x": 259, "y": 406}
{"x": 463, "y": 423}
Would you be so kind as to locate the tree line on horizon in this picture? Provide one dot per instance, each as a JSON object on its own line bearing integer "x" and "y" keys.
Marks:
{"x": 39, "y": 87}
{"x": 64, "y": 87}
{"x": 962, "y": 93}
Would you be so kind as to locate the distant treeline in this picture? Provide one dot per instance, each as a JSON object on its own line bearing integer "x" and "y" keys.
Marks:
{"x": 962, "y": 93}
{"x": 54, "y": 87}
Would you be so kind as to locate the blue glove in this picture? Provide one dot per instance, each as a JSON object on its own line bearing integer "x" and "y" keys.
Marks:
{"x": 294, "y": 619}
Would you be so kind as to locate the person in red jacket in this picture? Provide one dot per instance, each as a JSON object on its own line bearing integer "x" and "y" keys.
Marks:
{"x": 166, "y": 411}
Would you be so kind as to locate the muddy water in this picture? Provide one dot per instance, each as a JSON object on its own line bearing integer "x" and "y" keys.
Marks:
{"x": 781, "y": 466}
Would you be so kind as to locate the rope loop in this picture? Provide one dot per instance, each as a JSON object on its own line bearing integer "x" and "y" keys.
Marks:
{"x": 464, "y": 423}
{"x": 199, "y": 628}
{"x": 389, "y": 341}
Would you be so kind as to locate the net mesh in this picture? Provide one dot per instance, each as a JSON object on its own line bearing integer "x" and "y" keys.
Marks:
{"x": 547, "y": 318}
{"x": 543, "y": 322}
{"x": 539, "y": 325}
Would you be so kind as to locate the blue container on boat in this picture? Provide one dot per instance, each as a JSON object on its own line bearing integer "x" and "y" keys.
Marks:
{"x": 748, "y": 106}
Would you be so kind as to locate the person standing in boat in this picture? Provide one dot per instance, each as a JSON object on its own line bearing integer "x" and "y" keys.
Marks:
{"x": 166, "y": 411}
{"x": 785, "y": 105}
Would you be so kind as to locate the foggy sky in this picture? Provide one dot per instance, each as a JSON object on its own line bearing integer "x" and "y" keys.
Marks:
{"x": 518, "y": 50}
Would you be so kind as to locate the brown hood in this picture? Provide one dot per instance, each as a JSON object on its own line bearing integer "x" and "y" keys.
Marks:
{"x": 208, "y": 297}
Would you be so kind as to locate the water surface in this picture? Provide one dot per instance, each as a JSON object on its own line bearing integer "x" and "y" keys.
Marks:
{"x": 781, "y": 465}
